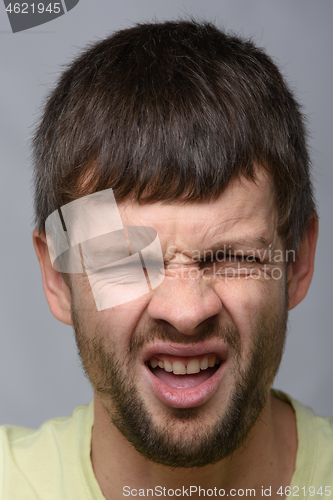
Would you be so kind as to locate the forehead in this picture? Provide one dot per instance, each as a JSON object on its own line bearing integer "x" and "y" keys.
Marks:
{"x": 244, "y": 211}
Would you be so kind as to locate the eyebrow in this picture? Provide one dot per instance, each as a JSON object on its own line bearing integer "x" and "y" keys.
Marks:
{"x": 260, "y": 244}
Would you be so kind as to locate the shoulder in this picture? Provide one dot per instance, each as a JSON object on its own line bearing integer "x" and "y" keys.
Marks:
{"x": 23, "y": 442}
{"x": 314, "y": 462}
{"x": 33, "y": 461}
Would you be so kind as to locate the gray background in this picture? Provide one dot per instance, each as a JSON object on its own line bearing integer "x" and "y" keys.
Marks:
{"x": 40, "y": 375}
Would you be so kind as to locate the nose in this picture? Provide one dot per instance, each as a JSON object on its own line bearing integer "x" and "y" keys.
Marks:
{"x": 184, "y": 303}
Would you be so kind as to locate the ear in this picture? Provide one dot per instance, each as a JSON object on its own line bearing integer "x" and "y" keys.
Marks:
{"x": 300, "y": 270}
{"x": 56, "y": 291}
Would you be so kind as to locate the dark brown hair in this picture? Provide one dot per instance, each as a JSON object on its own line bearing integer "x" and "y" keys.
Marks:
{"x": 172, "y": 111}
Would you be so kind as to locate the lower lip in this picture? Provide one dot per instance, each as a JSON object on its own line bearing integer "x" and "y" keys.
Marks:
{"x": 189, "y": 397}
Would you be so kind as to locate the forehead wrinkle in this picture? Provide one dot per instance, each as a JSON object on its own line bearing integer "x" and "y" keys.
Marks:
{"x": 263, "y": 234}
{"x": 244, "y": 204}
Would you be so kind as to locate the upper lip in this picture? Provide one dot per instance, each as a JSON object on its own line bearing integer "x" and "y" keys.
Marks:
{"x": 190, "y": 350}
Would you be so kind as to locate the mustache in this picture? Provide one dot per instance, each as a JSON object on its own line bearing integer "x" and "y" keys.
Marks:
{"x": 151, "y": 333}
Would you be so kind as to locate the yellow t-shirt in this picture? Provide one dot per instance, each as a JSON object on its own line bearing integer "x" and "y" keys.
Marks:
{"x": 53, "y": 462}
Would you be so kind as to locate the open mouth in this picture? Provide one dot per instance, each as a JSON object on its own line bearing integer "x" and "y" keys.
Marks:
{"x": 185, "y": 375}
{"x": 184, "y": 372}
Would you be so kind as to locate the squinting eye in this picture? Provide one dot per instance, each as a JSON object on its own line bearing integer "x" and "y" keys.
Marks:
{"x": 230, "y": 258}
{"x": 221, "y": 258}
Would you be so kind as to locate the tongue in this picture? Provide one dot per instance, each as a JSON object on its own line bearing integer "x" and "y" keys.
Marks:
{"x": 183, "y": 381}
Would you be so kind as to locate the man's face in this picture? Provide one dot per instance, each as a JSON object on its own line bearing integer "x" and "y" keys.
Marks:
{"x": 219, "y": 316}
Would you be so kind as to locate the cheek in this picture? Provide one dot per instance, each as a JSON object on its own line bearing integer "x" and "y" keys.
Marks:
{"x": 246, "y": 301}
{"x": 118, "y": 324}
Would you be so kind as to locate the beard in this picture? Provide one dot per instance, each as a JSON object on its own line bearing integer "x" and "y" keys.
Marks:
{"x": 184, "y": 439}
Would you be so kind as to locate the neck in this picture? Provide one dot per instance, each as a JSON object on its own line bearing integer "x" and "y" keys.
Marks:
{"x": 267, "y": 459}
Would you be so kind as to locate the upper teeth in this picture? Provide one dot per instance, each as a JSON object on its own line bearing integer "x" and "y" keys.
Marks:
{"x": 178, "y": 368}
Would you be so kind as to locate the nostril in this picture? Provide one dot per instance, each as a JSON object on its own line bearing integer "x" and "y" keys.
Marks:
{"x": 185, "y": 310}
